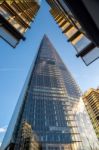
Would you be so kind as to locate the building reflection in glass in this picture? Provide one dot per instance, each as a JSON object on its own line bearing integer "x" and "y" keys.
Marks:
{"x": 87, "y": 132}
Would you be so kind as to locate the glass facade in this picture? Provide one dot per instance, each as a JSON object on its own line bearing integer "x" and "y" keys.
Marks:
{"x": 87, "y": 132}
{"x": 49, "y": 102}
{"x": 85, "y": 48}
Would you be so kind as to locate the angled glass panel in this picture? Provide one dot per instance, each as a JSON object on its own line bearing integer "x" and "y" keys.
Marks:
{"x": 81, "y": 42}
{"x": 91, "y": 56}
{"x": 7, "y": 36}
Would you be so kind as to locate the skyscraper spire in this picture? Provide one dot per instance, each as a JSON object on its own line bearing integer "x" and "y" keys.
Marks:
{"x": 47, "y": 107}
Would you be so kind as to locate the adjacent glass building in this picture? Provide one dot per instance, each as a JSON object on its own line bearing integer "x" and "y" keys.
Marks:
{"x": 46, "y": 107}
{"x": 82, "y": 37}
{"x": 15, "y": 19}
{"x": 87, "y": 132}
{"x": 91, "y": 101}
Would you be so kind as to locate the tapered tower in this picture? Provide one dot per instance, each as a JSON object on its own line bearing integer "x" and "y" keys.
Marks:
{"x": 46, "y": 106}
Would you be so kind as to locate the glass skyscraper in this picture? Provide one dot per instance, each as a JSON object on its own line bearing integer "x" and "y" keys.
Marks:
{"x": 45, "y": 108}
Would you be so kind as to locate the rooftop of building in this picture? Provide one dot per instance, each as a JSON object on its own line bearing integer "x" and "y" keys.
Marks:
{"x": 89, "y": 91}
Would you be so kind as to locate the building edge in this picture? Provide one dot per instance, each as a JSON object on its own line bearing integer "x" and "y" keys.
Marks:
{"x": 9, "y": 133}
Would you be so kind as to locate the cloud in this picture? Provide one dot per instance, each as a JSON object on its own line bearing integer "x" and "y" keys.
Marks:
{"x": 3, "y": 129}
{"x": 2, "y": 132}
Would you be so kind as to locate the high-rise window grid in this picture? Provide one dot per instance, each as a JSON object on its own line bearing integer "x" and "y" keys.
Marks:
{"x": 48, "y": 103}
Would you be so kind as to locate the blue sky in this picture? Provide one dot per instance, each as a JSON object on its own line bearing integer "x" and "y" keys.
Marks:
{"x": 15, "y": 63}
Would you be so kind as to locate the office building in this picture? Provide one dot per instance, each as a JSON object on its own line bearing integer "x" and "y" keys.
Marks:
{"x": 90, "y": 141}
{"x": 47, "y": 104}
{"x": 15, "y": 19}
{"x": 91, "y": 101}
{"x": 89, "y": 10}
{"x": 80, "y": 30}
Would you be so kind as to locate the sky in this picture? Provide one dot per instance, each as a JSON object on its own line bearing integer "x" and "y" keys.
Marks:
{"x": 15, "y": 63}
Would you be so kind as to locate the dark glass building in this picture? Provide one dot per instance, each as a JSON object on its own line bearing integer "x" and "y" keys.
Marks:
{"x": 46, "y": 106}
{"x": 79, "y": 22}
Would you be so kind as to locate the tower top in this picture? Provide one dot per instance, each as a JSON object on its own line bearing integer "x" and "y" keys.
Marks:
{"x": 45, "y": 36}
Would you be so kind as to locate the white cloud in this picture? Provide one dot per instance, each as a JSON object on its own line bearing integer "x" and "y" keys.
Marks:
{"x": 2, "y": 132}
{"x": 3, "y": 129}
